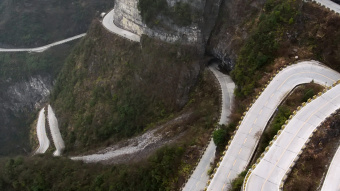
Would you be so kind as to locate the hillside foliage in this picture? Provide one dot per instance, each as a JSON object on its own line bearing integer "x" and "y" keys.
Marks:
{"x": 113, "y": 88}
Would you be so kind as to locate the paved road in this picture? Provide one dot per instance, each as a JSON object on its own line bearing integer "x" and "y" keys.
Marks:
{"x": 43, "y": 48}
{"x": 329, "y": 4}
{"x": 276, "y": 162}
{"x": 332, "y": 181}
{"x": 199, "y": 178}
{"x": 246, "y": 139}
{"x": 109, "y": 25}
{"x": 44, "y": 142}
{"x": 56, "y": 136}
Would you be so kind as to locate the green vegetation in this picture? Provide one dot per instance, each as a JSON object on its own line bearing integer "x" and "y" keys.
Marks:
{"x": 219, "y": 137}
{"x": 50, "y": 173}
{"x": 181, "y": 13}
{"x": 110, "y": 88}
{"x": 34, "y": 23}
{"x": 164, "y": 170}
{"x": 282, "y": 115}
{"x": 309, "y": 93}
{"x": 236, "y": 184}
{"x": 261, "y": 47}
{"x": 18, "y": 66}
{"x": 222, "y": 135}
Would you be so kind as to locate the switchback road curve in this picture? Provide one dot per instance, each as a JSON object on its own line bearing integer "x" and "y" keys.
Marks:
{"x": 277, "y": 161}
{"x": 245, "y": 141}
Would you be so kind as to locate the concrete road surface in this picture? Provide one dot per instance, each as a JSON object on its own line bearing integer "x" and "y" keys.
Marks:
{"x": 44, "y": 142}
{"x": 42, "y": 48}
{"x": 56, "y": 136}
{"x": 329, "y": 4}
{"x": 199, "y": 178}
{"x": 268, "y": 174}
{"x": 109, "y": 25}
{"x": 332, "y": 181}
{"x": 250, "y": 130}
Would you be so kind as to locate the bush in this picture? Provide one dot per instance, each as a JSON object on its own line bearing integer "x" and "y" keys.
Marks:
{"x": 237, "y": 183}
{"x": 308, "y": 94}
{"x": 220, "y": 137}
{"x": 261, "y": 47}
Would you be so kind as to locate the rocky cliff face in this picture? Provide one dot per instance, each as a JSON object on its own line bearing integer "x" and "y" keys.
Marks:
{"x": 28, "y": 94}
{"x": 231, "y": 29}
{"x": 127, "y": 16}
{"x": 18, "y": 101}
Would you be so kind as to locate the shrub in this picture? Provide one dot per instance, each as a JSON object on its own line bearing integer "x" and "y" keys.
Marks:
{"x": 308, "y": 94}
{"x": 261, "y": 47}
{"x": 220, "y": 136}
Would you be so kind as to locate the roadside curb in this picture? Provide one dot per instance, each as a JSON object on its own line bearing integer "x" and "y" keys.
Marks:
{"x": 280, "y": 131}
{"x": 241, "y": 119}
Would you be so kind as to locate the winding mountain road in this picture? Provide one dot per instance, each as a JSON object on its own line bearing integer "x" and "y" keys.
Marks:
{"x": 329, "y": 4}
{"x": 268, "y": 174}
{"x": 251, "y": 128}
{"x": 56, "y": 136}
{"x": 332, "y": 181}
{"x": 44, "y": 142}
{"x": 199, "y": 178}
{"x": 109, "y": 25}
{"x": 43, "y": 48}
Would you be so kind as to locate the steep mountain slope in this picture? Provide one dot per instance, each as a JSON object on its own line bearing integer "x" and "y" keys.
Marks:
{"x": 113, "y": 88}
{"x": 26, "y": 81}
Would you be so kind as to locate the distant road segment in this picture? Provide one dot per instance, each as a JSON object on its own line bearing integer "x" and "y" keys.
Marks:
{"x": 44, "y": 142}
{"x": 56, "y": 136}
{"x": 42, "y": 48}
{"x": 245, "y": 141}
{"x": 109, "y": 25}
{"x": 268, "y": 174}
{"x": 332, "y": 181}
{"x": 199, "y": 178}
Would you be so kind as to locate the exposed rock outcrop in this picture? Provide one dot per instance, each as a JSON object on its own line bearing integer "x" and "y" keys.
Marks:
{"x": 17, "y": 101}
{"x": 231, "y": 29}
{"x": 127, "y": 16}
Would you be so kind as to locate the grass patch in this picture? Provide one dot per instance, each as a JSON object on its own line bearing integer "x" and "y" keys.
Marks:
{"x": 261, "y": 47}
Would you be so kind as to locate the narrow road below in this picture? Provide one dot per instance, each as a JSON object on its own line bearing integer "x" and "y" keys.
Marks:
{"x": 44, "y": 142}
{"x": 56, "y": 136}
{"x": 199, "y": 178}
{"x": 251, "y": 128}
